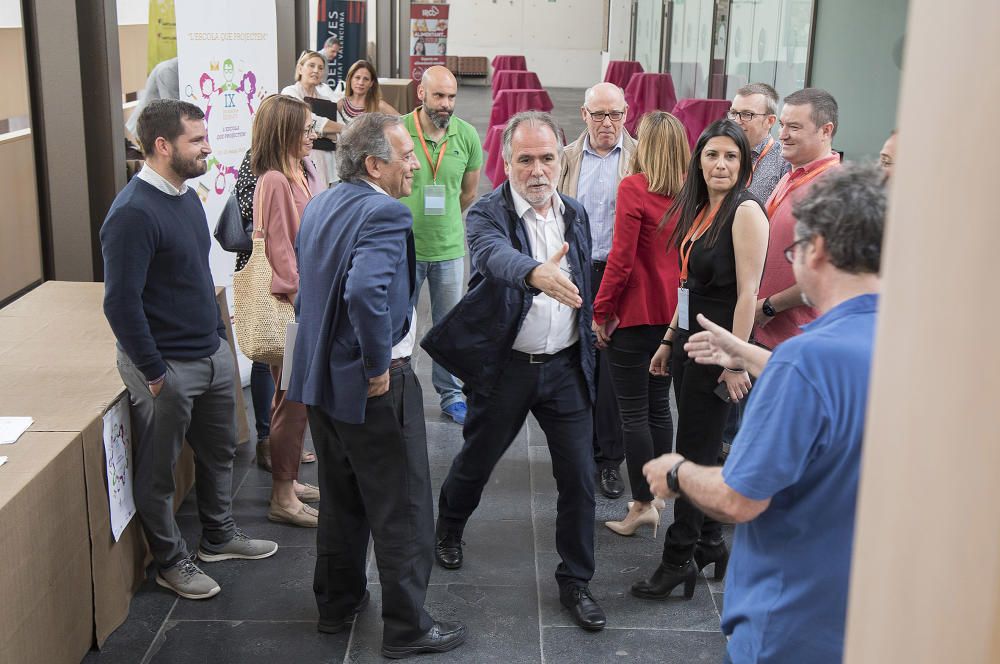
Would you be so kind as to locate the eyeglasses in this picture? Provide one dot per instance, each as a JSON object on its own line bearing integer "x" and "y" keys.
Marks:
{"x": 310, "y": 130}
{"x": 884, "y": 161}
{"x": 790, "y": 249}
{"x": 746, "y": 116}
{"x": 598, "y": 116}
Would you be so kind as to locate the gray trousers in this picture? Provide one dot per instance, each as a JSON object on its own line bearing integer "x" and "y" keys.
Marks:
{"x": 197, "y": 403}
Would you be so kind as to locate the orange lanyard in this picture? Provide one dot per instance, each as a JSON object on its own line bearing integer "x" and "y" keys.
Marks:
{"x": 698, "y": 228}
{"x": 420, "y": 134}
{"x": 753, "y": 167}
{"x": 779, "y": 196}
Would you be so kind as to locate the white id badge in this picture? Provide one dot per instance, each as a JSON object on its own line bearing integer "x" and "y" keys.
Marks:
{"x": 434, "y": 200}
{"x": 683, "y": 309}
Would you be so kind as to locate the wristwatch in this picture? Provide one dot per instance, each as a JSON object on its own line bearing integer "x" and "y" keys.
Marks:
{"x": 672, "y": 482}
{"x": 768, "y": 308}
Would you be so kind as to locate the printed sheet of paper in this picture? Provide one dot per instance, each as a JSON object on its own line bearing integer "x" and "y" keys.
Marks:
{"x": 11, "y": 428}
{"x": 118, "y": 457}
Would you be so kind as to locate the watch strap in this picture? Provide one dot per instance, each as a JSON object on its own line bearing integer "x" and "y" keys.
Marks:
{"x": 673, "y": 483}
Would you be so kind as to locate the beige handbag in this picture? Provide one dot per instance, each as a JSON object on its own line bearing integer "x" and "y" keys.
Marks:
{"x": 260, "y": 317}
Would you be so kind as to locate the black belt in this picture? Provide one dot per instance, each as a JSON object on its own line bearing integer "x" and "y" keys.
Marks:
{"x": 542, "y": 358}
{"x": 599, "y": 265}
{"x": 399, "y": 362}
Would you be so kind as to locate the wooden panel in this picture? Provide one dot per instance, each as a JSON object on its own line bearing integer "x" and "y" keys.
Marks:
{"x": 132, "y": 42}
{"x": 926, "y": 566}
{"x": 13, "y": 73}
{"x": 21, "y": 246}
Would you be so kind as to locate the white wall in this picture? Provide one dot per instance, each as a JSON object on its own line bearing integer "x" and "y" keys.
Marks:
{"x": 10, "y": 14}
{"x": 132, "y": 12}
{"x": 561, "y": 39}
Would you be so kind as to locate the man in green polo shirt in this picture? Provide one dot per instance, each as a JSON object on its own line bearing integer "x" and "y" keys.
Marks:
{"x": 450, "y": 157}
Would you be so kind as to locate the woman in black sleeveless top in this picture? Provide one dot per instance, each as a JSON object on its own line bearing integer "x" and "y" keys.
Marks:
{"x": 721, "y": 235}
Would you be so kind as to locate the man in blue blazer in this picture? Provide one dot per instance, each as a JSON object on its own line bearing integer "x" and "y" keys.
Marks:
{"x": 351, "y": 367}
{"x": 520, "y": 340}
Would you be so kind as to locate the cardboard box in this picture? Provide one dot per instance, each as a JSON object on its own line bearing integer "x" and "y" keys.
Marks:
{"x": 47, "y": 611}
{"x": 57, "y": 356}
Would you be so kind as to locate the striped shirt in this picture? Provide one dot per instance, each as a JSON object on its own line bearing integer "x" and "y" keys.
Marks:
{"x": 597, "y": 192}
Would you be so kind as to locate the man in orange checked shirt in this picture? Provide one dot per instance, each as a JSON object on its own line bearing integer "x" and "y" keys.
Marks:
{"x": 808, "y": 124}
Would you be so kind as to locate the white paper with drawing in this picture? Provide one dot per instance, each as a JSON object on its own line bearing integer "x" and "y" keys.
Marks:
{"x": 118, "y": 461}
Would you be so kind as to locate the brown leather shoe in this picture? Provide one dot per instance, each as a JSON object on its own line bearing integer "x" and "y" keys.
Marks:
{"x": 264, "y": 453}
{"x": 306, "y": 517}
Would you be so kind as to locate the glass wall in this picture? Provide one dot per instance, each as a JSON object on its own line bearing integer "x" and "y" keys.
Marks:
{"x": 691, "y": 46}
{"x": 648, "y": 24}
{"x": 21, "y": 248}
{"x": 768, "y": 42}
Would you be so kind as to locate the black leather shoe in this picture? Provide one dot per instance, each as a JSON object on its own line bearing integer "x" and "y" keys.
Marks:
{"x": 442, "y": 637}
{"x": 336, "y": 626}
{"x": 586, "y": 612}
{"x": 611, "y": 483}
{"x": 665, "y": 579}
{"x": 448, "y": 549}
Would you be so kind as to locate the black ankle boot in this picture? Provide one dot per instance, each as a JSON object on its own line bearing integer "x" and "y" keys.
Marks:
{"x": 706, "y": 553}
{"x": 665, "y": 579}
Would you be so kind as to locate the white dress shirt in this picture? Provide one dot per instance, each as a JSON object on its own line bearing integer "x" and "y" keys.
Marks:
{"x": 549, "y": 326}
{"x": 147, "y": 174}
{"x": 405, "y": 346}
{"x": 597, "y": 190}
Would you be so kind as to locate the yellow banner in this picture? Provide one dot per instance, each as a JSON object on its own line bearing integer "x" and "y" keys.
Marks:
{"x": 162, "y": 33}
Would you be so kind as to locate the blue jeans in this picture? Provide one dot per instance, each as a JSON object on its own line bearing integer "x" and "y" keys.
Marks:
{"x": 445, "y": 281}
{"x": 262, "y": 393}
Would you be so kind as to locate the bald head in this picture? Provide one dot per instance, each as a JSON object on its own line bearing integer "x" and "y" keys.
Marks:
{"x": 436, "y": 92}
{"x": 604, "y": 100}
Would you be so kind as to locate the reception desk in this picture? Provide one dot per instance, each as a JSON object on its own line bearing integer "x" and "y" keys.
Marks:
{"x": 67, "y": 582}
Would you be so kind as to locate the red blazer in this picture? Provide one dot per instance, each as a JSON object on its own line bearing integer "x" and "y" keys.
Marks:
{"x": 640, "y": 281}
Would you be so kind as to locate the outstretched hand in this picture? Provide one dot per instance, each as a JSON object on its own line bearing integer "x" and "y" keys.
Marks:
{"x": 715, "y": 345}
{"x": 548, "y": 277}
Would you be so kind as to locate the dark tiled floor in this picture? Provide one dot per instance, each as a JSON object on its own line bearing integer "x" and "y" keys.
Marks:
{"x": 505, "y": 592}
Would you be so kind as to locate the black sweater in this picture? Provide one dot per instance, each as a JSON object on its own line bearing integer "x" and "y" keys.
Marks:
{"x": 159, "y": 296}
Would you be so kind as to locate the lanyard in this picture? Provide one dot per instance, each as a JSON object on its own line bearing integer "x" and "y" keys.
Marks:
{"x": 698, "y": 228}
{"x": 767, "y": 148}
{"x": 420, "y": 134}
{"x": 779, "y": 196}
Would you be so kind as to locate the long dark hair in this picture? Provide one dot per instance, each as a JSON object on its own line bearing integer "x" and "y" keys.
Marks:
{"x": 693, "y": 196}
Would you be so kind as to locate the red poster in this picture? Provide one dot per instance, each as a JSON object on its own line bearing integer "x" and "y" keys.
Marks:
{"x": 428, "y": 37}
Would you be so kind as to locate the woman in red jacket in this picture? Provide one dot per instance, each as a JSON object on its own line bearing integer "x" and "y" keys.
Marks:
{"x": 637, "y": 300}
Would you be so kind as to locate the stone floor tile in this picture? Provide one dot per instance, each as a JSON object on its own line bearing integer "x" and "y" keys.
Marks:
{"x": 247, "y": 642}
{"x": 571, "y": 645}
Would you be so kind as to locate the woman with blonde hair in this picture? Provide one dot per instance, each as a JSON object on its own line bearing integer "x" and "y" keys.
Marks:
{"x": 310, "y": 73}
{"x": 636, "y": 303}
{"x": 283, "y": 133}
{"x": 362, "y": 94}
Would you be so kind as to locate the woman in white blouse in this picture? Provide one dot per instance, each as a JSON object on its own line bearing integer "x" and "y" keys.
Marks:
{"x": 310, "y": 72}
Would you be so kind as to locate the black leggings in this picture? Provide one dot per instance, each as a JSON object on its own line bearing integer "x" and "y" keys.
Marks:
{"x": 701, "y": 417}
{"x": 643, "y": 400}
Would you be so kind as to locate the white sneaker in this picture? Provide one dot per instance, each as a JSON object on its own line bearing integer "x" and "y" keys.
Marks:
{"x": 240, "y": 547}
{"x": 187, "y": 580}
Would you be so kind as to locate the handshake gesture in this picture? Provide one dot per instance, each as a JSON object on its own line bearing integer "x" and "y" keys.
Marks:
{"x": 551, "y": 279}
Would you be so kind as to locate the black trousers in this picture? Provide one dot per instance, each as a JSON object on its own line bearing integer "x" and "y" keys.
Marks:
{"x": 701, "y": 416}
{"x": 556, "y": 394}
{"x": 374, "y": 479}
{"x": 643, "y": 401}
{"x": 609, "y": 443}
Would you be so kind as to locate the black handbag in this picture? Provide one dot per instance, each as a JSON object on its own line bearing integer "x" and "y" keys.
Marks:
{"x": 229, "y": 230}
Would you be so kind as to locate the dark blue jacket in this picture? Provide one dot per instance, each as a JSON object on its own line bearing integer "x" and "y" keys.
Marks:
{"x": 355, "y": 255}
{"x": 473, "y": 342}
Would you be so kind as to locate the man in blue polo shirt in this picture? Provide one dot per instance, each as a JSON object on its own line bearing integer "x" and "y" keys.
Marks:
{"x": 450, "y": 158}
{"x": 791, "y": 479}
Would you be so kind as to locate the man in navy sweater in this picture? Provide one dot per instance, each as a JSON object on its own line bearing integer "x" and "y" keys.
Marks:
{"x": 159, "y": 298}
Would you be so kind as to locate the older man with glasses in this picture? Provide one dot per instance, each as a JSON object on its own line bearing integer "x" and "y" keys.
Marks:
{"x": 755, "y": 110}
{"x": 592, "y": 167}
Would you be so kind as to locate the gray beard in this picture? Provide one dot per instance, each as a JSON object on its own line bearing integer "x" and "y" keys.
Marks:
{"x": 439, "y": 121}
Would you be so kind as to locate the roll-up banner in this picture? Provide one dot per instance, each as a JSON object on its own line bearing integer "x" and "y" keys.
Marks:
{"x": 345, "y": 20}
{"x": 428, "y": 37}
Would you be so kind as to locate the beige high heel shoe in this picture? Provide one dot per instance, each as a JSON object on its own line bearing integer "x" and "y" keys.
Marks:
{"x": 658, "y": 503}
{"x": 633, "y": 520}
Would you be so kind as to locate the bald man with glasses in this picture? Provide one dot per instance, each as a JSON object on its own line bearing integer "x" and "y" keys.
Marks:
{"x": 592, "y": 167}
